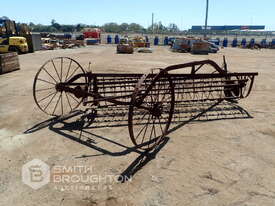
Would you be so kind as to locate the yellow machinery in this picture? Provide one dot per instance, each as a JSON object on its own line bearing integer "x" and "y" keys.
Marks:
{"x": 139, "y": 41}
{"x": 125, "y": 46}
{"x": 15, "y": 37}
{"x": 15, "y": 43}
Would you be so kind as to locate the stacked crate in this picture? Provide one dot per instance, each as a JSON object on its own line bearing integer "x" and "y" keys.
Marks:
{"x": 9, "y": 62}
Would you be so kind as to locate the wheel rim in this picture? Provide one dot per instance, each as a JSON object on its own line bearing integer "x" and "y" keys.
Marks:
{"x": 147, "y": 128}
{"x": 45, "y": 93}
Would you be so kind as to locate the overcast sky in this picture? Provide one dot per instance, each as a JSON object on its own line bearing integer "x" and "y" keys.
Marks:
{"x": 184, "y": 13}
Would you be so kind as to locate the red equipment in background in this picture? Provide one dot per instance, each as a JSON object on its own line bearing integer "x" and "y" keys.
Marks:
{"x": 92, "y": 35}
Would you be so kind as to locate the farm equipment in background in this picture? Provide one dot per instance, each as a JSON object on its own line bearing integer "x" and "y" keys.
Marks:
{"x": 194, "y": 45}
{"x": 200, "y": 47}
{"x": 125, "y": 46}
{"x": 92, "y": 35}
{"x": 204, "y": 47}
{"x": 10, "y": 40}
{"x": 51, "y": 44}
{"x": 213, "y": 48}
{"x": 70, "y": 43}
{"x": 182, "y": 44}
{"x": 253, "y": 46}
{"x": 21, "y": 35}
{"x": 139, "y": 42}
{"x": 14, "y": 44}
{"x": 171, "y": 41}
{"x": 33, "y": 40}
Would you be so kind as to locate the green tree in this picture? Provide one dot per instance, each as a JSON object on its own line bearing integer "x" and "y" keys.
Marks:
{"x": 4, "y": 18}
{"x": 124, "y": 27}
{"x": 111, "y": 27}
{"x": 79, "y": 27}
{"x": 135, "y": 27}
{"x": 55, "y": 25}
{"x": 157, "y": 28}
{"x": 173, "y": 28}
{"x": 67, "y": 28}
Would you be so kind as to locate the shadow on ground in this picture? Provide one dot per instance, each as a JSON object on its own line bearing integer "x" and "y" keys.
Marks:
{"x": 78, "y": 126}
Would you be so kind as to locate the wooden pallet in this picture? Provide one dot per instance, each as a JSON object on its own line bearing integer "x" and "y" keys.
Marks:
{"x": 9, "y": 62}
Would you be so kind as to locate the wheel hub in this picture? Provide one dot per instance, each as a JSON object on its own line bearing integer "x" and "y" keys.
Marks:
{"x": 157, "y": 109}
{"x": 59, "y": 87}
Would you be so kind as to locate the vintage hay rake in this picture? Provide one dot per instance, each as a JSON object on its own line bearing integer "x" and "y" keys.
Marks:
{"x": 61, "y": 85}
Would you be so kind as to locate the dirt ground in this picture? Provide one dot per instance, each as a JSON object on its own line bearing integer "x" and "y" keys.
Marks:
{"x": 228, "y": 162}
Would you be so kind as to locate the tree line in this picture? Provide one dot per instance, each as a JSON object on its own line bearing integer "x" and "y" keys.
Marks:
{"x": 111, "y": 27}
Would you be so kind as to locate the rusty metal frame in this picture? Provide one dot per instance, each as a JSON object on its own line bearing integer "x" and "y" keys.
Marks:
{"x": 145, "y": 93}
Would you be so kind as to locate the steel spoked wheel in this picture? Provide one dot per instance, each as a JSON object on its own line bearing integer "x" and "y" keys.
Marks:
{"x": 150, "y": 116}
{"x": 46, "y": 94}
